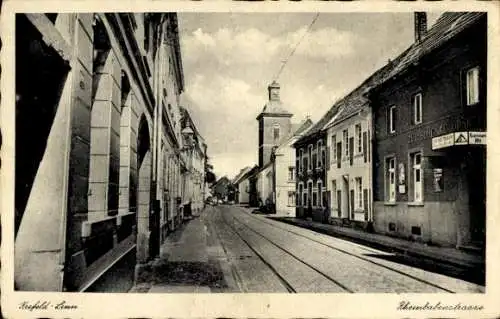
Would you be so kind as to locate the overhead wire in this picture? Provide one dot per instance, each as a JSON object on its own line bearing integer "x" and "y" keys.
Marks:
{"x": 284, "y": 63}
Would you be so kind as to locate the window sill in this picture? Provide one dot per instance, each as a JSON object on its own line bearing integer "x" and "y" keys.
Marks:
{"x": 390, "y": 204}
{"x": 415, "y": 204}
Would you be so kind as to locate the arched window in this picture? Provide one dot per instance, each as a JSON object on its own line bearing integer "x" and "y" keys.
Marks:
{"x": 276, "y": 132}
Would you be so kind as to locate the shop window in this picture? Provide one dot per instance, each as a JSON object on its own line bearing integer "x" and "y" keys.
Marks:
{"x": 416, "y": 162}
{"x": 390, "y": 179}
{"x": 359, "y": 193}
{"x": 358, "y": 138}
{"x": 417, "y": 108}
{"x": 391, "y": 118}
{"x": 472, "y": 86}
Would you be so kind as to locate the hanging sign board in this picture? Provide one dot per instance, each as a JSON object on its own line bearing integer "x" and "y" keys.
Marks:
{"x": 478, "y": 138}
{"x": 442, "y": 141}
{"x": 459, "y": 138}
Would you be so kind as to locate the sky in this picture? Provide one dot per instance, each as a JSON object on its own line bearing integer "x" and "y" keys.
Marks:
{"x": 229, "y": 59}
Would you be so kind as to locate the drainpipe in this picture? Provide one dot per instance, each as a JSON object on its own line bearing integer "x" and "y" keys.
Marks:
{"x": 371, "y": 143}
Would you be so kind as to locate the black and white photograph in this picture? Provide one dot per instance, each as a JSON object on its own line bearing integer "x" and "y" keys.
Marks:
{"x": 184, "y": 153}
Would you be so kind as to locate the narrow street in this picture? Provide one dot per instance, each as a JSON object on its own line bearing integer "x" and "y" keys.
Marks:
{"x": 233, "y": 250}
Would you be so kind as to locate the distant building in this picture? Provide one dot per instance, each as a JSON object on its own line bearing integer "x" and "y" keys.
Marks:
{"x": 240, "y": 182}
{"x": 430, "y": 135}
{"x": 220, "y": 188}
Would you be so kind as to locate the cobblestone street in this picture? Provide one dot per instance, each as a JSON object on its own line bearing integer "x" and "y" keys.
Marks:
{"x": 228, "y": 249}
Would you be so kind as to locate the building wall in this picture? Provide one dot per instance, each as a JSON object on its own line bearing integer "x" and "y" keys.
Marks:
{"x": 266, "y": 137}
{"x": 443, "y": 216}
{"x": 285, "y": 159}
{"x": 360, "y": 168}
{"x": 96, "y": 165}
{"x": 243, "y": 190}
{"x": 308, "y": 178}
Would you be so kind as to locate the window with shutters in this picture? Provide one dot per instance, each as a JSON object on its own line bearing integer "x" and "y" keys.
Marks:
{"x": 334, "y": 149}
{"x": 359, "y": 194}
{"x": 392, "y": 119}
{"x": 390, "y": 179}
{"x": 346, "y": 142}
{"x": 358, "y": 138}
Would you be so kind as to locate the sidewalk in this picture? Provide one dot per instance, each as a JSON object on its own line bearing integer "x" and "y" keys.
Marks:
{"x": 447, "y": 255}
{"x": 184, "y": 264}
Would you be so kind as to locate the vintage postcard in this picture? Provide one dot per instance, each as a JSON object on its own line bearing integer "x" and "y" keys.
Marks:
{"x": 239, "y": 159}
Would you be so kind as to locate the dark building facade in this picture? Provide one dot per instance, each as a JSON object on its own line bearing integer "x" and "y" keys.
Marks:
{"x": 312, "y": 159}
{"x": 430, "y": 135}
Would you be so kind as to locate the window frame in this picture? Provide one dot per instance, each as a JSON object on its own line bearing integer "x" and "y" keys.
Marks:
{"x": 358, "y": 131}
{"x": 334, "y": 149}
{"x": 345, "y": 137}
{"x": 319, "y": 186}
{"x": 291, "y": 173}
{"x": 388, "y": 187}
{"x": 476, "y": 84}
{"x": 392, "y": 119}
{"x": 420, "y": 107}
{"x": 413, "y": 183}
{"x": 276, "y": 128}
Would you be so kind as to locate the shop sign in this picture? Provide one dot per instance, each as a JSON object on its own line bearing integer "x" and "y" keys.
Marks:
{"x": 478, "y": 138}
{"x": 438, "y": 179}
{"x": 443, "y": 141}
{"x": 461, "y": 138}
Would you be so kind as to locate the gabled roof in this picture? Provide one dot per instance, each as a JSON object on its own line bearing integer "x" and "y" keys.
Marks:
{"x": 241, "y": 174}
{"x": 446, "y": 27}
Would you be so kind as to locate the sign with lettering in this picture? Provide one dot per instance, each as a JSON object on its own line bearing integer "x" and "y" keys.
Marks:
{"x": 477, "y": 138}
{"x": 438, "y": 179}
{"x": 461, "y": 138}
{"x": 443, "y": 141}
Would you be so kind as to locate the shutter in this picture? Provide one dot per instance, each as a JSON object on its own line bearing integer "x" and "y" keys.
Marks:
{"x": 339, "y": 203}
{"x": 365, "y": 147}
{"x": 369, "y": 143}
{"x": 339, "y": 154}
{"x": 351, "y": 204}
{"x": 327, "y": 151}
{"x": 365, "y": 203}
{"x": 351, "y": 150}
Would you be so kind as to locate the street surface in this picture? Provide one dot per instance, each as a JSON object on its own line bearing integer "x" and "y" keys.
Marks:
{"x": 258, "y": 254}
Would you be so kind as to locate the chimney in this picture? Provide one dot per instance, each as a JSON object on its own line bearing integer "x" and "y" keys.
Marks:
{"x": 274, "y": 91}
{"x": 420, "y": 26}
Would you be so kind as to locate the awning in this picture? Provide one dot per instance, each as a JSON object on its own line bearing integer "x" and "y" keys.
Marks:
{"x": 458, "y": 138}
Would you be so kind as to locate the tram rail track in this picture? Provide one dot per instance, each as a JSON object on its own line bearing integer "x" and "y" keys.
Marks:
{"x": 426, "y": 282}
{"x": 285, "y": 282}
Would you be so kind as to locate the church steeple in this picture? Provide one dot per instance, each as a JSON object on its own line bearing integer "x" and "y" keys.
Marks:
{"x": 274, "y": 124}
{"x": 274, "y": 91}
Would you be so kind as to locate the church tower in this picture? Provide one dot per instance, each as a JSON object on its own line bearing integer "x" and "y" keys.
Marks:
{"x": 274, "y": 124}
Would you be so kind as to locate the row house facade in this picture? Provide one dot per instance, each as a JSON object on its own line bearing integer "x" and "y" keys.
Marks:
{"x": 312, "y": 159}
{"x": 195, "y": 152}
{"x": 430, "y": 127}
{"x": 407, "y": 153}
{"x": 97, "y": 187}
